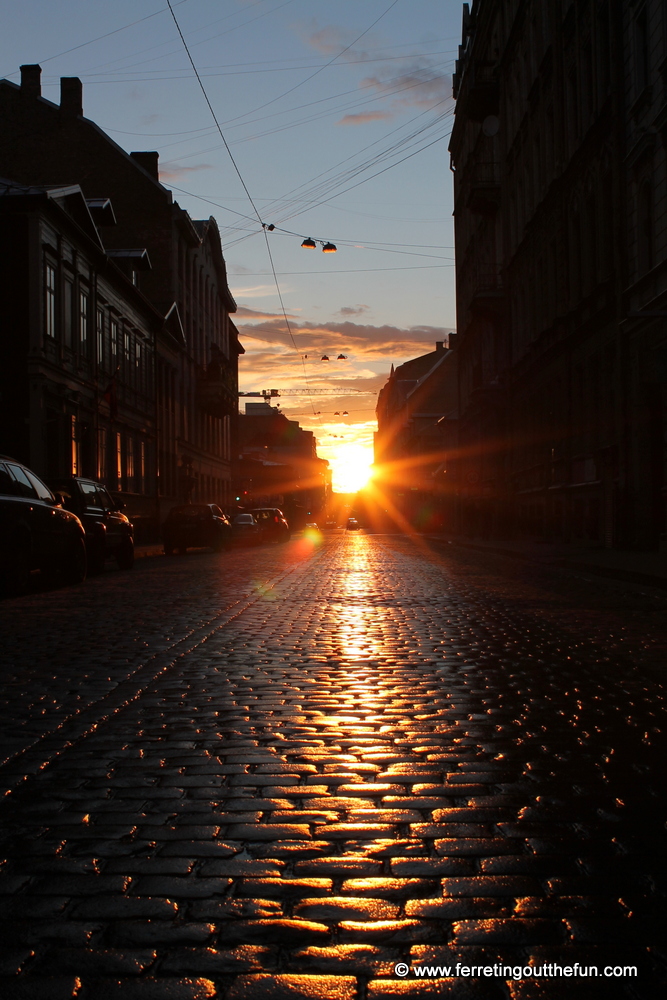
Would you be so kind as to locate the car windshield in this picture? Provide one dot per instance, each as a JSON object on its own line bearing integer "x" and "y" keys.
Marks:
{"x": 244, "y": 519}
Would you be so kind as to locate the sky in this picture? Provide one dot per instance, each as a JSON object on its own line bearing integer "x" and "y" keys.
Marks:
{"x": 337, "y": 117}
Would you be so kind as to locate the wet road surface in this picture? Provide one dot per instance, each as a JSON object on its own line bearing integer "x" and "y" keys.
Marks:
{"x": 356, "y": 770}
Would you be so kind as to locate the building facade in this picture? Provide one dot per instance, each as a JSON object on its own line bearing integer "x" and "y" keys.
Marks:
{"x": 78, "y": 348}
{"x": 278, "y": 464}
{"x": 196, "y": 353}
{"x": 559, "y": 180}
{"x": 415, "y": 446}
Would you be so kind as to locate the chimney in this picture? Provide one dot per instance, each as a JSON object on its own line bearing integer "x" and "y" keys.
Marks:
{"x": 452, "y": 341}
{"x": 71, "y": 95}
{"x": 149, "y": 161}
{"x": 31, "y": 80}
{"x": 439, "y": 345}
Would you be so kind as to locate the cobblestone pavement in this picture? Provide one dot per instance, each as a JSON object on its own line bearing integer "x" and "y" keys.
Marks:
{"x": 303, "y": 772}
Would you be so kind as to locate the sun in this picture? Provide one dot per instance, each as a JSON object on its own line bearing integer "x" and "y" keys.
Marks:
{"x": 351, "y": 466}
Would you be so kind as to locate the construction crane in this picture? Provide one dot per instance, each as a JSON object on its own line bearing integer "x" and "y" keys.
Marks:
{"x": 267, "y": 394}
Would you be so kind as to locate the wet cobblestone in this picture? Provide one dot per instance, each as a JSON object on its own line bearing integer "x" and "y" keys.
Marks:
{"x": 277, "y": 774}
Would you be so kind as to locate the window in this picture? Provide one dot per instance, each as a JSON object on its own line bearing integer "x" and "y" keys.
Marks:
{"x": 74, "y": 451}
{"x": 91, "y": 495}
{"x": 83, "y": 320}
{"x": 100, "y": 336}
{"x": 126, "y": 346}
{"x": 50, "y": 300}
{"x": 137, "y": 355}
{"x": 119, "y": 459}
{"x": 129, "y": 460}
{"x": 23, "y": 487}
{"x": 43, "y": 492}
{"x": 68, "y": 311}
{"x": 114, "y": 342}
{"x": 101, "y": 453}
{"x": 104, "y": 499}
{"x": 142, "y": 466}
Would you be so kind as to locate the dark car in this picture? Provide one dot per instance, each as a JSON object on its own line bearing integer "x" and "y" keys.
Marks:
{"x": 109, "y": 533}
{"x": 272, "y": 523}
{"x": 353, "y": 524}
{"x": 246, "y": 530}
{"x": 35, "y": 532}
{"x": 196, "y": 525}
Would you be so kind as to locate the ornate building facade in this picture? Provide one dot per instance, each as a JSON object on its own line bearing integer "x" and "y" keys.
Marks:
{"x": 559, "y": 180}
{"x": 177, "y": 265}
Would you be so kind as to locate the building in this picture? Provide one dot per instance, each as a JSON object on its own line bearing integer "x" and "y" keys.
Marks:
{"x": 278, "y": 464}
{"x": 561, "y": 238}
{"x": 196, "y": 352}
{"x": 415, "y": 446}
{"x": 78, "y": 349}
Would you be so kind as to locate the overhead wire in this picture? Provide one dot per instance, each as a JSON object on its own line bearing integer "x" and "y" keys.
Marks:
{"x": 243, "y": 184}
{"x": 107, "y": 34}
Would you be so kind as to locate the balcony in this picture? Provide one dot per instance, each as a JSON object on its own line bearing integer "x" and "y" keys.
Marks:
{"x": 216, "y": 390}
{"x": 484, "y": 191}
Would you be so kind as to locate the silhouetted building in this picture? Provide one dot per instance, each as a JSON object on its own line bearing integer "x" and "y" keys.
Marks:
{"x": 78, "y": 346}
{"x": 278, "y": 464}
{"x": 415, "y": 446}
{"x": 559, "y": 178}
{"x": 197, "y": 350}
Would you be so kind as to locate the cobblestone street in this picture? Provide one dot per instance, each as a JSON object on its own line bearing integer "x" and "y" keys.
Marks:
{"x": 288, "y": 772}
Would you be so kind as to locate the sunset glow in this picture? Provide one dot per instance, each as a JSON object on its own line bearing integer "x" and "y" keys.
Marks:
{"x": 350, "y": 466}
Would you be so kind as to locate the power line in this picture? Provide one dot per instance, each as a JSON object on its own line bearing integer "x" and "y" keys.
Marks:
{"x": 243, "y": 183}
{"x": 108, "y": 34}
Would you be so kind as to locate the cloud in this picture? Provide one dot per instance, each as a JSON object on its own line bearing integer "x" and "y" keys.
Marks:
{"x": 328, "y": 40}
{"x": 362, "y": 340}
{"x": 254, "y": 314}
{"x": 353, "y": 310}
{"x": 363, "y": 117}
{"x": 149, "y": 119}
{"x": 174, "y": 172}
{"x": 423, "y": 85}
{"x": 255, "y": 292}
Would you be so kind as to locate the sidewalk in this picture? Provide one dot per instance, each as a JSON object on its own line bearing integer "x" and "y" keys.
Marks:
{"x": 648, "y": 568}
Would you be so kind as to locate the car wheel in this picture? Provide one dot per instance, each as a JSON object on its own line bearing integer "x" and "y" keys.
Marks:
{"x": 125, "y": 554}
{"x": 75, "y": 566}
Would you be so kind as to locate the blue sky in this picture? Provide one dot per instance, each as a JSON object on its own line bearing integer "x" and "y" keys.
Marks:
{"x": 318, "y": 102}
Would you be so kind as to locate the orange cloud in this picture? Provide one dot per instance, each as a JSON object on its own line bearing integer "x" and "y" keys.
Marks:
{"x": 363, "y": 117}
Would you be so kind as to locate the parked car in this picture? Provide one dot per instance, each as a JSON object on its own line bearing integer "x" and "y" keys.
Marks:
{"x": 246, "y": 530}
{"x": 272, "y": 523}
{"x": 35, "y": 532}
{"x": 109, "y": 533}
{"x": 196, "y": 525}
{"x": 352, "y": 524}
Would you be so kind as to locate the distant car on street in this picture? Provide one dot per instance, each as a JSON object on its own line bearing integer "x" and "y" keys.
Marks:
{"x": 246, "y": 530}
{"x": 35, "y": 532}
{"x": 272, "y": 524}
{"x": 196, "y": 525}
{"x": 109, "y": 532}
{"x": 352, "y": 524}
